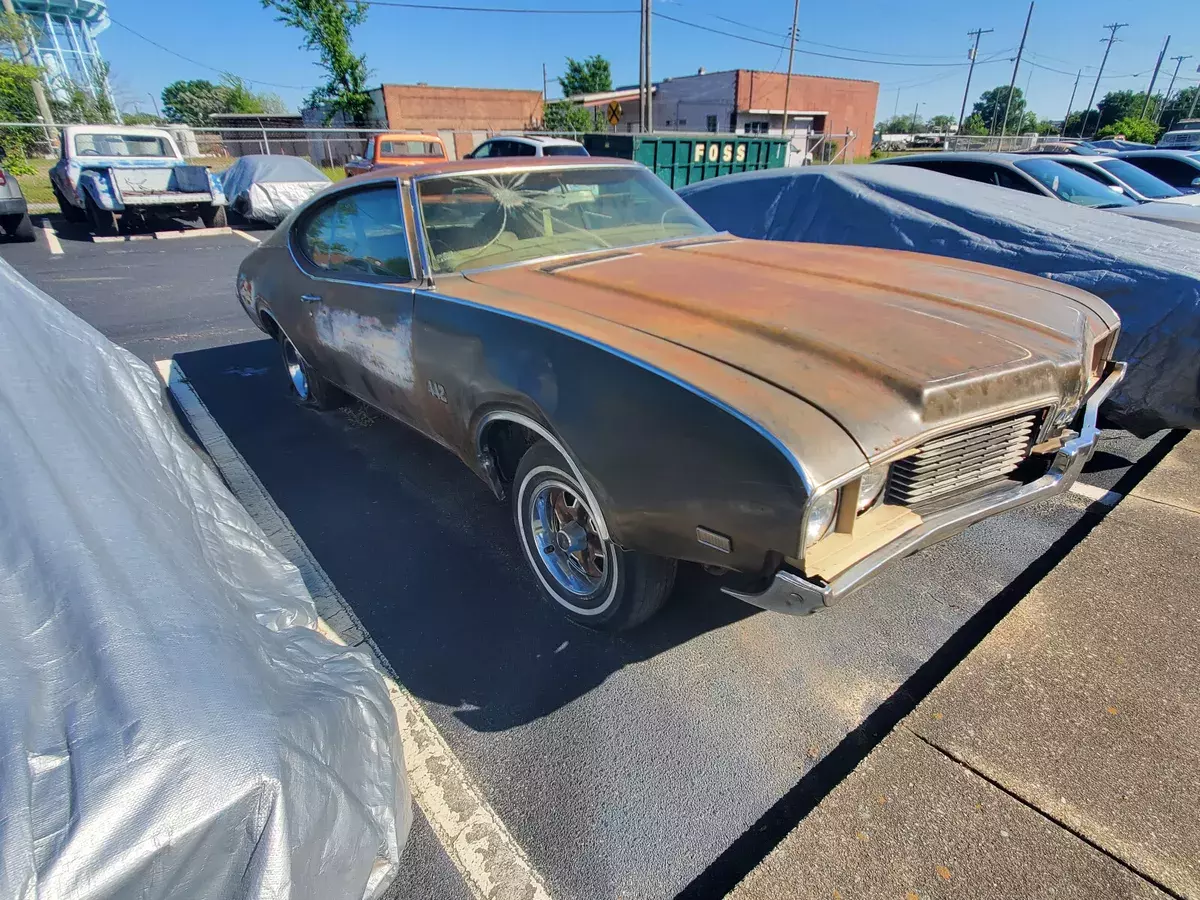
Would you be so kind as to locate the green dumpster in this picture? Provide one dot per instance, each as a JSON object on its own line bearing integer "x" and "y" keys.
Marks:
{"x": 680, "y": 159}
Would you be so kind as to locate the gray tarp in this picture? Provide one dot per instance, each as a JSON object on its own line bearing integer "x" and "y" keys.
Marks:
{"x": 267, "y": 188}
{"x": 171, "y": 726}
{"x": 1148, "y": 273}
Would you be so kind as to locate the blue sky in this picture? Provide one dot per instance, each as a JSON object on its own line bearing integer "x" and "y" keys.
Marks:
{"x": 507, "y": 50}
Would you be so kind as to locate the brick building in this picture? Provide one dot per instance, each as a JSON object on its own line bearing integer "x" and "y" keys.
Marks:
{"x": 751, "y": 102}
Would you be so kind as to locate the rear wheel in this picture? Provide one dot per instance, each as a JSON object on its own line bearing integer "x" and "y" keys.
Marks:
{"x": 103, "y": 221}
{"x": 306, "y": 385}
{"x": 19, "y": 228}
{"x": 69, "y": 212}
{"x": 214, "y": 217}
{"x": 590, "y": 579}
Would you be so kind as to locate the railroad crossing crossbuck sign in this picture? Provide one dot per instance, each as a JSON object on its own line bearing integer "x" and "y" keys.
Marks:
{"x": 614, "y": 113}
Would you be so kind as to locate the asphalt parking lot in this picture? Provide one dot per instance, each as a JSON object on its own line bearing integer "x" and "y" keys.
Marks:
{"x": 651, "y": 764}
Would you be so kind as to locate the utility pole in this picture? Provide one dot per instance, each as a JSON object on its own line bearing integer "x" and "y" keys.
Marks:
{"x": 1112, "y": 37}
{"x": 1016, "y": 65}
{"x": 974, "y": 52}
{"x": 39, "y": 92}
{"x": 916, "y": 106}
{"x": 543, "y": 89}
{"x": 787, "y": 87}
{"x": 1170, "y": 87}
{"x": 1195, "y": 94}
{"x": 1070, "y": 103}
{"x": 642, "y": 70}
{"x": 649, "y": 77}
{"x": 1153, "y": 78}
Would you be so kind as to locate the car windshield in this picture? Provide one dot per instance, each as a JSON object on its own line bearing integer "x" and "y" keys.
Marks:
{"x": 475, "y": 221}
{"x": 1138, "y": 179}
{"x": 1072, "y": 186}
{"x": 395, "y": 149}
{"x": 123, "y": 145}
{"x": 563, "y": 150}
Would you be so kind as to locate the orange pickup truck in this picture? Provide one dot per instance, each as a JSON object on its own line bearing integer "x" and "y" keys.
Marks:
{"x": 397, "y": 150}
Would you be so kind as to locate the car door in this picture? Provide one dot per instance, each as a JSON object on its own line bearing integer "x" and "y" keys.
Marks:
{"x": 356, "y": 330}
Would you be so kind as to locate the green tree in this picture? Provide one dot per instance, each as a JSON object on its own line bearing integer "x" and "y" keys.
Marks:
{"x": 589, "y": 76}
{"x": 991, "y": 106}
{"x": 974, "y": 125}
{"x": 327, "y": 25}
{"x": 1134, "y": 128}
{"x": 901, "y": 125}
{"x": 192, "y": 101}
{"x": 238, "y": 97}
{"x": 1179, "y": 107}
{"x": 941, "y": 123}
{"x": 563, "y": 115}
{"x": 1045, "y": 127}
{"x": 1118, "y": 105}
{"x": 1074, "y": 124}
{"x": 75, "y": 102}
{"x": 141, "y": 118}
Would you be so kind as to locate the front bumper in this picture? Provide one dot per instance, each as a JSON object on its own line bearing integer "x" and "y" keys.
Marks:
{"x": 791, "y": 593}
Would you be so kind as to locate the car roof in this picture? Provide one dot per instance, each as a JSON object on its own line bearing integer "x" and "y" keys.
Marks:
{"x": 500, "y": 163}
{"x": 408, "y": 136}
{"x": 963, "y": 155}
{"x": 1178, "y": 154}
{"x": 131, "y": 131}
{"x": 536, "y": 139}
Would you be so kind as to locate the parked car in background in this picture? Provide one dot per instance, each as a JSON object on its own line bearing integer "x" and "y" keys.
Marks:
{"x": 398, "y": 149}
{"x": 1136, "y": 183}
{"x": 14, "y": 211}
{"x": 1184, "y": 136}
{"x": 1116, "y": 145}
{"x": 1031, "y": 174}
{"x": 266, "y": 188}
{"x": 109, "y": 172}
{"x": 647, "y": 390}
{"x": 1077, "y": 148}
{"x": 521, "y": 145}
{"x": 1177, "y": 215}
{"x": 1178, "y": 168}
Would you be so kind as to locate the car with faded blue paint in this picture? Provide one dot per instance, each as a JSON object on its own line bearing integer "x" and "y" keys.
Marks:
{"x": 107, "y": 173}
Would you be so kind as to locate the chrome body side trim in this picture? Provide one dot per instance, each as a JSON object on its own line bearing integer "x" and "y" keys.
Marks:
{"x": 533, "y": 425}
{"x": 789, "y": 592}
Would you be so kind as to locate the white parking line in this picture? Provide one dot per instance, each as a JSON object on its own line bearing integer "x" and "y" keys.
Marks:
{"x": 491, "y": 862}
{"x": 251, "y": 238}
{"x": 1096, "y": 494}
{"x": 51, "y": 237}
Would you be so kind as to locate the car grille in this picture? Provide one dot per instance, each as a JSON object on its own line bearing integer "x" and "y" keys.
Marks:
{"x": 963, "y": 460}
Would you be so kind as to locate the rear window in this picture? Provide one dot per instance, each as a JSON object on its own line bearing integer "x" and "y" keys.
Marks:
{"x": 563, "y": 150}
{"x": 396, "y": 149}
{"x": 122, "y": 145}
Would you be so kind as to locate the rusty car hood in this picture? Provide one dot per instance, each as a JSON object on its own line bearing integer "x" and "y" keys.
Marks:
{"x": 888, "y": 344}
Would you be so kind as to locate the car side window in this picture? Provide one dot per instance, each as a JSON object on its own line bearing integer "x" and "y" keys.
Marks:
{"x": 523, "y": 149}
{"x": 483, "y": 151}
{"x": 1173, "y": 172}
{"x": 359, "y": 233}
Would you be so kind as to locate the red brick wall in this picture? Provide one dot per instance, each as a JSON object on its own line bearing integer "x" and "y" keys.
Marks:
{"x": 850, "y": 103}
{"x": 428, "y": 108}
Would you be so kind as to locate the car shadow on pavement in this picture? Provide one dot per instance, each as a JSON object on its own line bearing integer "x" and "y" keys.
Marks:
{"x": 425, "y": 554}
{"x": 81, "y": 232}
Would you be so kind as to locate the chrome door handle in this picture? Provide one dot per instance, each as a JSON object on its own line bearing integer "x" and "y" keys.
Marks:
{"x": 310, "y": 298}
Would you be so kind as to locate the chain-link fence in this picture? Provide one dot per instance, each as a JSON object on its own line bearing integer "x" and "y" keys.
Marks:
{"x": 1009, "y": 144}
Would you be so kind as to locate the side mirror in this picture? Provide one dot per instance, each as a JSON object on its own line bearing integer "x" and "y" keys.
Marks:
{"x": 1195, "y": 181}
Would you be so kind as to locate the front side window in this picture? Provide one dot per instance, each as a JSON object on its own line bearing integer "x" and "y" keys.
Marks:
{"x": 359, "y": 233}
{"x": 123, "y": 145}
{"x": 1174, "y": 172}
{"x": 475, "y": 221}
{"x": 1142, "y": 182}
{"x": 1069, "y": 185}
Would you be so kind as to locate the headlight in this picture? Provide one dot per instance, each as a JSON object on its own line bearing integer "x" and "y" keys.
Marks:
{"x": 820, "y": 517}
{"x": 871, "y": 487}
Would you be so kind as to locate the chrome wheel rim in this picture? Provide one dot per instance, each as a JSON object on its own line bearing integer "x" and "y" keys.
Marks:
{"x": 563, "y": 531}
{"x": 295, "y": 369}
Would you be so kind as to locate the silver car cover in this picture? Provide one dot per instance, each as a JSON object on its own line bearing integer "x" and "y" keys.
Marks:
{"x": 267, "y": 188}
{"x": 171, "y": 724}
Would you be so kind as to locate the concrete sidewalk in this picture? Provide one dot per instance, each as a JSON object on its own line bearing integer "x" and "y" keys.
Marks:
{"x": 1061, "y": 758}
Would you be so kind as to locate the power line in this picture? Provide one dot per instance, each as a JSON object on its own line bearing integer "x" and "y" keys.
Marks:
{"x": 197, "y": 62}
{"x": 830, "y": 46}
{"x": 1112, "y": 37}
{"x": 501, "y": 9}
{"x": 750, "y": 40}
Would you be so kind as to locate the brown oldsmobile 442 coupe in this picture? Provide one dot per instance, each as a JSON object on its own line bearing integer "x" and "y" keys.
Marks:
{"x": 647, "y": 390}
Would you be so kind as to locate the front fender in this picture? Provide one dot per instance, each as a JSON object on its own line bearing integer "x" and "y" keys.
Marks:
{"x": 97, "y": 184}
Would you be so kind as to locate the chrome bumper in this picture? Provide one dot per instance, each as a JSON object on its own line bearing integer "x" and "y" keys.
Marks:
{"x": 791, "y": 593}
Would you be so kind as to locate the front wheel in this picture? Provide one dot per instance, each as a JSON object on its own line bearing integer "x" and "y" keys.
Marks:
{"x": 19, "y": 228}
{"x": 592, "y": 580}
{"x": 69, "y": 212}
